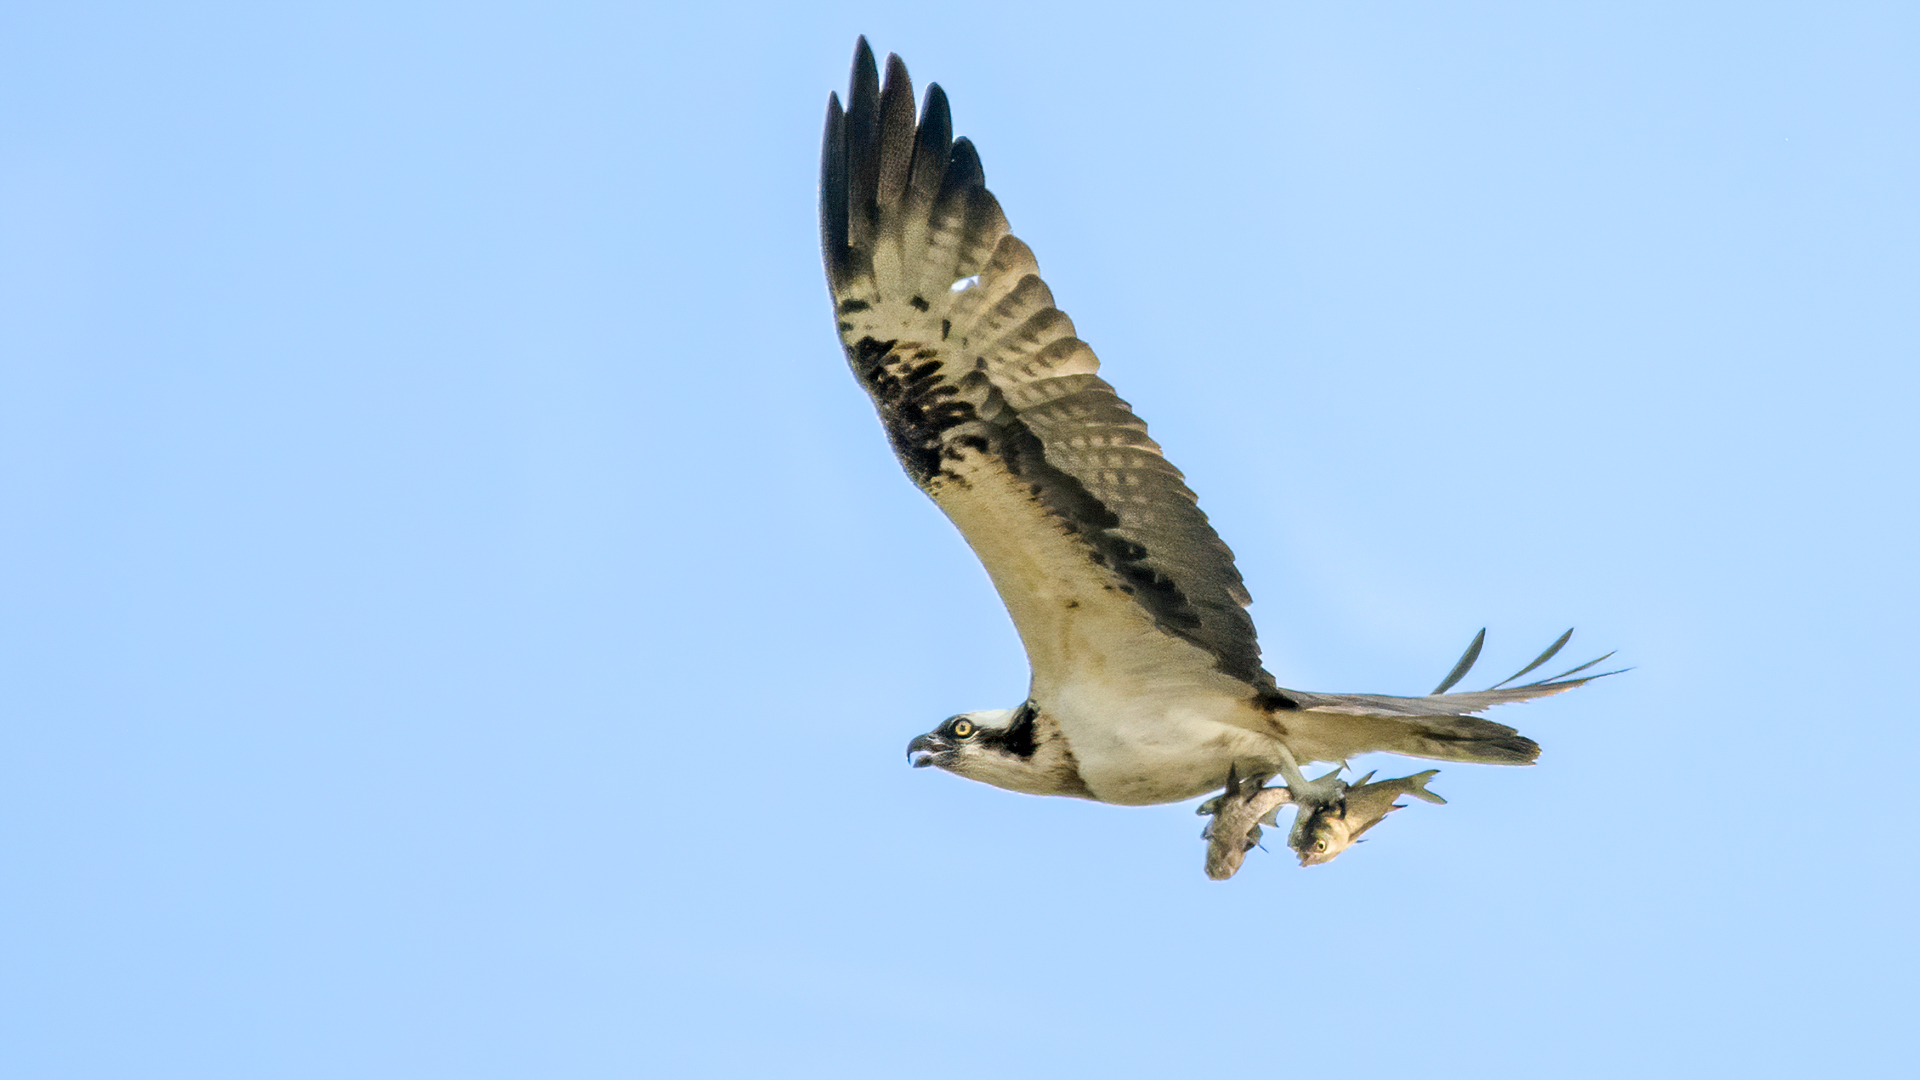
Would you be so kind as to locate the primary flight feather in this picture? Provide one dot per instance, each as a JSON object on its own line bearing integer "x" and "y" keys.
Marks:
{"x": 1147, "y": 685}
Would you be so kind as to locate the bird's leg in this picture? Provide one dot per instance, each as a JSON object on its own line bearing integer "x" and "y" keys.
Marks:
{"x": 1290, "y": 769}
{"x": 1326, "y": 791}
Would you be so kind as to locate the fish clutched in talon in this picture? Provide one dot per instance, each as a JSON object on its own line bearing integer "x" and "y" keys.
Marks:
{"x": 1329, "y": 815}
{"x": 1322, "y": 832}
{"x": 1240, "y": 810}
{"x": 1237, "y": 814}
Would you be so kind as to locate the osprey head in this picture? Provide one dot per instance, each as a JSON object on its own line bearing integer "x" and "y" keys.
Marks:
{"x": 961, "y": 740}
{"x": 1007, "y": 748}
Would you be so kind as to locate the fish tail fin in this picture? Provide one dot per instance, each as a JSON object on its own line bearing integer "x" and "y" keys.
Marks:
{"x": 1417, "y": 786}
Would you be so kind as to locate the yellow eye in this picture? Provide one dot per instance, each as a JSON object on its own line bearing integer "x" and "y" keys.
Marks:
{"x": 962, "y": 728}
{"x": 1319, "y": 845}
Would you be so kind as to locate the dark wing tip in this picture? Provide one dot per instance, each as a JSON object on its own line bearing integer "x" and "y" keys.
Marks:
{"x": 936, "y": 107}
{"x": 1562, "y": 677}
{"x": 1552, "y": 651}
{"x": 1465, "y": 665}
{"x": 863, "y": 137}
{"x": 833, "y": 188}
{"x": 896, "y": 67}
{"x": 933, "y": 145}
{"x": 863, "y": 82}
{"x": 896, "y": 134}
{"x": 849, "y": 169}
{"x": 963, "y": 167}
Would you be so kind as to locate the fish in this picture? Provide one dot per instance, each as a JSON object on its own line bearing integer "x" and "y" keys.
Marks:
{"x": 1235, "y": 828}
{"x": 1321, "y": 832}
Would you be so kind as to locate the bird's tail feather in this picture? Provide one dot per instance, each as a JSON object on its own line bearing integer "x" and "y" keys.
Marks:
{"x": 1440, "y": 725}
{"x": 1461, "y": 738}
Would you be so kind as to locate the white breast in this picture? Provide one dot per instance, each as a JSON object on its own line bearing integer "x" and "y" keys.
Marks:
{"x": 1138, "y": 744}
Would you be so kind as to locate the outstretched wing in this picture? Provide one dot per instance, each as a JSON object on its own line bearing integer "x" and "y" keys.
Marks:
{"x": 992, "y": 403}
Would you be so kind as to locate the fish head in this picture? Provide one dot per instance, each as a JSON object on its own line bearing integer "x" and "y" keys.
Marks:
{"x": 1321, "y": 835}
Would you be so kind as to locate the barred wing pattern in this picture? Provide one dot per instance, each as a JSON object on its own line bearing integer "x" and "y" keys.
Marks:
{"x": 948, "y": 325}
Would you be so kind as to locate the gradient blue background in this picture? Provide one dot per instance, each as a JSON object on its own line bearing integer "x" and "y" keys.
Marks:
{"x": 459, "y": 618}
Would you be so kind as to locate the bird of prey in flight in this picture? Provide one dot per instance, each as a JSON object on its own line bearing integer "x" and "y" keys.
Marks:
{"x": 1147, "y": 684}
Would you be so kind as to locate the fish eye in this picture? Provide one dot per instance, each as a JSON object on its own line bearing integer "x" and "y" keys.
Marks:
{"x": 1319, "y": 847}
{"x": 962, "y": 729}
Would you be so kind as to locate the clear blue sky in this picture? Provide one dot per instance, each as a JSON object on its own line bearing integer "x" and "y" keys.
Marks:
{"x": 458, "y": 617}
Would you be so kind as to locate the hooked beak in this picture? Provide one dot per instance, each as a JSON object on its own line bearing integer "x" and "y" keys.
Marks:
{"x": 928, "y": 749}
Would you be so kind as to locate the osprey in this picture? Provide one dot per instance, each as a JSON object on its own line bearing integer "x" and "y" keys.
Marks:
{"x": 1147, "y": 685}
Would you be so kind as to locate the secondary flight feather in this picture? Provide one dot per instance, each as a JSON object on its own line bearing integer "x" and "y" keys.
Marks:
{"x": 1147, "y": 685}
